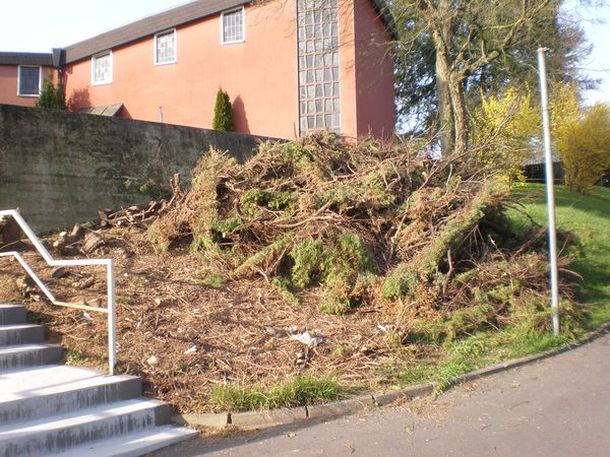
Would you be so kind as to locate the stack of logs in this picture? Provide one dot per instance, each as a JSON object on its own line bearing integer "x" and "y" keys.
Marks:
{"x": 141, "y": 215}
{"x": 87, "y": 241}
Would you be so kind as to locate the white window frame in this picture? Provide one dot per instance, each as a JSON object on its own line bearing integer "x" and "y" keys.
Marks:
{"x": 93, "y": 59}
{"x": 166, "y": 32}
{"x": 222, "y": 26}
{"x": 19, "y": 94}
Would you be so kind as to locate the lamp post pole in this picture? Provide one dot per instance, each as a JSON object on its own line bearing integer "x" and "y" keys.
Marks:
{"x": 550, "y": 190}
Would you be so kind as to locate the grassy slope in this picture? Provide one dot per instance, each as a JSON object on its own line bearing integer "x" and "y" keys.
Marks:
{"x": 587, "y": 217}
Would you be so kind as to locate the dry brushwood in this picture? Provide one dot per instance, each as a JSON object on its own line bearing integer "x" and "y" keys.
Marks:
{"x": 359, "y": 221}
{"x": 141, "y": 215}
{"x": 81, "y": 240}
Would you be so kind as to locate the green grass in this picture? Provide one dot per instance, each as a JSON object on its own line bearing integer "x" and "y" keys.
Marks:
{"x": 588, "y": 218}
{"x": 74, "y": 357}
{"x": 300, "y": 391}
{"x": 585, "y": 217}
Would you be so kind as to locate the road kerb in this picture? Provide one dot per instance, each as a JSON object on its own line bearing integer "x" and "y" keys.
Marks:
{"x": 286, "y": 416}
{"x": 269, "y": 418}
{"x": 340, "y": 408}
{"x": 409, "y": 393}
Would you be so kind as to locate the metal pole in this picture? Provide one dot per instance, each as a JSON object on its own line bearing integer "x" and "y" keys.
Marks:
{"x": 550, "y": 190}
{"x": 111, "y": 319}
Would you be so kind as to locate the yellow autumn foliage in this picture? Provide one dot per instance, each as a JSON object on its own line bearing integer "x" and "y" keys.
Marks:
{"x": 583, "y": 143}
{"x": 504, "y": 127}
{"x": 565, "y": 107}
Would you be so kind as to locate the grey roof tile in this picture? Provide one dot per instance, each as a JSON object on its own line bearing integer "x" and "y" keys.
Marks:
{"x": 148, "y": 26}
{"x": 26, "y": 58}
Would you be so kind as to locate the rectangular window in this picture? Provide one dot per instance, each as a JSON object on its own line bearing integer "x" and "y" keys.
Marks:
{"x": 318, "y": 59}
{"x": 29, "y": 81}
{"x": 101, "y": 69}
{"x": 165, "y": 48}
{"x": 233, "y": 26}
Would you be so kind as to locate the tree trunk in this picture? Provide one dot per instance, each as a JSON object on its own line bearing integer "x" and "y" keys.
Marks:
{"x": 460, "y": 117}
{"x": 442, "y": 39}
{"x": 445, "y": 111}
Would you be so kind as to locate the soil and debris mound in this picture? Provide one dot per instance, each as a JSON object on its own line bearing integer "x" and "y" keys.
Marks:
{"x": 355, "y": 223}
{"x": 316, "y": 258}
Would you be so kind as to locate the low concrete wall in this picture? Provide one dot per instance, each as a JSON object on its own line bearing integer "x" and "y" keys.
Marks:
{"x": 60, "y": 167}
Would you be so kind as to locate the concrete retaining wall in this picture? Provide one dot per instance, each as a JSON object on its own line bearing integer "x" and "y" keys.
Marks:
{"x": 60, "y": 167}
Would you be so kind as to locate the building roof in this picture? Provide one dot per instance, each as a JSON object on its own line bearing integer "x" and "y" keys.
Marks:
{"x": 26, "y": 58}
{"x": 104, "y": 110}
{"x": 174, "y": 17}
{"x": 149, "y": 26}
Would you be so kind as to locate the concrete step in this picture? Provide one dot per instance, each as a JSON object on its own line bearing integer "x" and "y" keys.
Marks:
{"x": 11, "y": 335}
{"x": 62, "y": 433}
{"x": 67, "y": 389}
{"x": 17, "y": 357}
{"x": 134, "y": 445}
{"x": 12, "y": 314}
{"x": 48, "y": 409}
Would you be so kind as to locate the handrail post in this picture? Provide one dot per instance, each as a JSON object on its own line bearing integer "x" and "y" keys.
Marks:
{"x": 111, "y": 318}
{"x": 108, "y": 263}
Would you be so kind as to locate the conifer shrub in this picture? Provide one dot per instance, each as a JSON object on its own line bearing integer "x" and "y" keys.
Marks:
{"x": 52, "y": 96}
{"x": 223, "y": 112}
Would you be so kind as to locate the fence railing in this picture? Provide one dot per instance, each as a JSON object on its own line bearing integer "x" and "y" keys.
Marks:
{"x": 110, "y": 310}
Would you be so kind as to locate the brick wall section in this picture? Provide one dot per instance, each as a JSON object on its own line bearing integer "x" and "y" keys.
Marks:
{"x": 60, "y": 167}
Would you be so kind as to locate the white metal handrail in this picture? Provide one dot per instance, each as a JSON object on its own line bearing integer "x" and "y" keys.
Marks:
{"x": 108, "y": 263}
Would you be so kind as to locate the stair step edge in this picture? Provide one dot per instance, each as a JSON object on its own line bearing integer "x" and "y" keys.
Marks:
{"x": 134, "y": 445}
{"x": 81, "y": 417}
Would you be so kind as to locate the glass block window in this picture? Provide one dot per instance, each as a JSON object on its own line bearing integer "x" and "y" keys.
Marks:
{"x": 233, "y": 30}
{"x": 101, "y": 69}
{"x": 319, "y": 83}
{"x": 29, "y": 81}
{"x": 165, "y": 47}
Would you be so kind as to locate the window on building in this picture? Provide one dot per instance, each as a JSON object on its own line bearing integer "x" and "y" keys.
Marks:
{"x": 101, "y": 69}
{"x": 233, "y": 26}
{"x": 165, "y": 47}
{"x": 29, "y": 81}
{"x": 319, "y": 78}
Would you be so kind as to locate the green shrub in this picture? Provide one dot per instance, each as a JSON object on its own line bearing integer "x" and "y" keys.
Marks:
{"x": 51, "y": 96}
{"x": 223, "y": 112}
{"x": 309, "y": 258}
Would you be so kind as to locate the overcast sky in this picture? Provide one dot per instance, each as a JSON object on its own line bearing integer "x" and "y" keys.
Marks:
{"x": 39, "y": 25}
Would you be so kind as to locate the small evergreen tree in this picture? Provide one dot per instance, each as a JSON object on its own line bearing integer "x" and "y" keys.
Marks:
{"x": 51, "y": 96}
{"x": 223, "y": 112}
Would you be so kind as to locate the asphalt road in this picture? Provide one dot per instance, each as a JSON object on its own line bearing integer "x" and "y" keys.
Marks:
{"x": 556, "y": 407}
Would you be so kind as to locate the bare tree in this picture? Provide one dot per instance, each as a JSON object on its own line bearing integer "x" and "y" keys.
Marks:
{"x": 467, "y": 36}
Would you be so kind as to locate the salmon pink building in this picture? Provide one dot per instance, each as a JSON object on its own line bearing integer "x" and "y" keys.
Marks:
{"x": 289, "y": 66}
{"x": 21, "y": 76}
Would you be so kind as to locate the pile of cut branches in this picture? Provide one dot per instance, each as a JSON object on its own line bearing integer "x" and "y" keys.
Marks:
{"x": 369, "y": 222}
